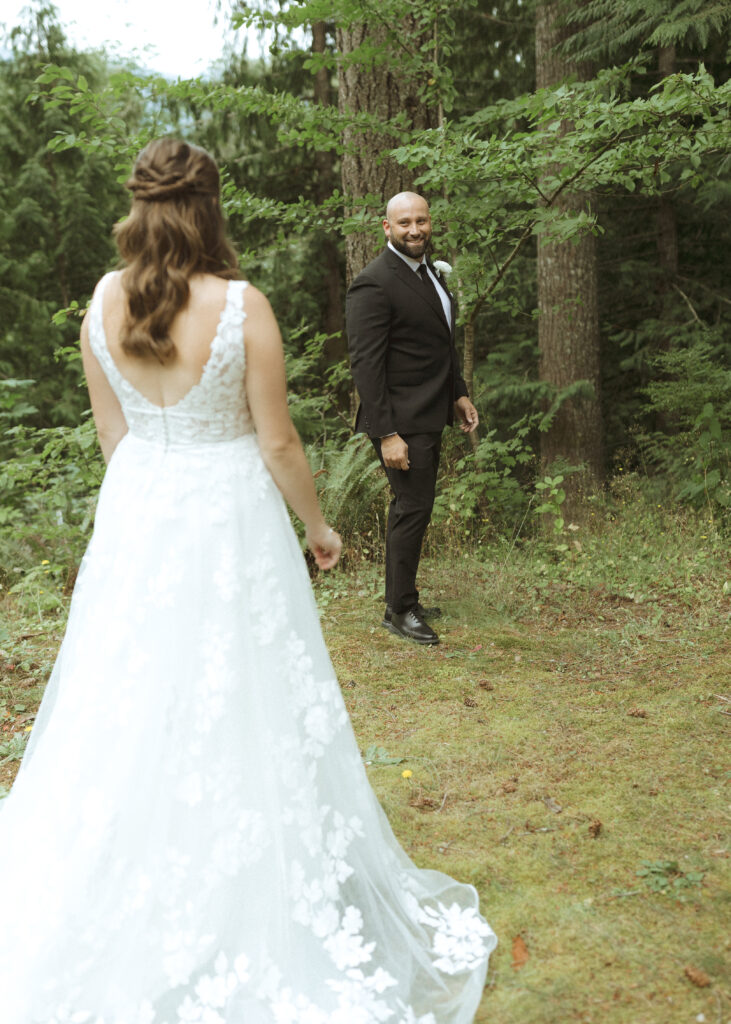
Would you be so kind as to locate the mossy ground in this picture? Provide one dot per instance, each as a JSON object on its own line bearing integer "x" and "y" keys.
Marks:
{"x": 567, "y": 733}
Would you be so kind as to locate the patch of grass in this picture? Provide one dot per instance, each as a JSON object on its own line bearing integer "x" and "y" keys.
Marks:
{"x": 28, "y": 645}
{"x": 565, "y": 737}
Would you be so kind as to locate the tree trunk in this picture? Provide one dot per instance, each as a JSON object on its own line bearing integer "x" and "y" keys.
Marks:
{"x": 334, "y": 320}
{"x": 381, "y": 91}
{"x": 666, "y": 242}
{"x": 666, "y": 221}
{"x": 568, "y": 324}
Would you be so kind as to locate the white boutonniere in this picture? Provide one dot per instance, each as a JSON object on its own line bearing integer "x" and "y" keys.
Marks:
{"x": 442, "y": 267}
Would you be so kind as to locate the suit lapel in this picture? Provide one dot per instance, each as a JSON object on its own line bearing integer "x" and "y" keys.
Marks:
{"x": 410, "y": 278}
{"x": 443, "y": 284}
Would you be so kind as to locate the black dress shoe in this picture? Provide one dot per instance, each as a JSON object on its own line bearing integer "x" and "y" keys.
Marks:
{"x": 411, "y": 625}
{"x": 425, "y": 613}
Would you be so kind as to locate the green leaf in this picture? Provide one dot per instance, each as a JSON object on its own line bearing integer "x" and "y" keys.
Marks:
{"x": 377, "y": 757}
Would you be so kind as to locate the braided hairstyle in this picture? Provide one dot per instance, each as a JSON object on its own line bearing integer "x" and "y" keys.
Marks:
{"x": 175, "y": 229}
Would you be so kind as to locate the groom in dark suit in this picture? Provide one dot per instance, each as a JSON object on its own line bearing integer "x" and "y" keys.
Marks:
{"x": 400, "y": 322}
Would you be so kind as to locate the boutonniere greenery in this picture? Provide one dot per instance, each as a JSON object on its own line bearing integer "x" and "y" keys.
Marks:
{"x": 442, "y": 267}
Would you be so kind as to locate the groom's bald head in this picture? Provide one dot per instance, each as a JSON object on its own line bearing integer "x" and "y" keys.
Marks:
{"x": 402, "y": 199}
{"x": 407, "y": 224}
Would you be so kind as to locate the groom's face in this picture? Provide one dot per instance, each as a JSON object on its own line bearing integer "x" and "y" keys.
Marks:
{"x": 408, "y": 225}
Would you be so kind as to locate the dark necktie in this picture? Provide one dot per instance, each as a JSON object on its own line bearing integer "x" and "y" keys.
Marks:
{"x": 429, "y": 285}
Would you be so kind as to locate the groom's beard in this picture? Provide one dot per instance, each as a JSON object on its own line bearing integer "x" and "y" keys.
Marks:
{"x": 414, "y": 250}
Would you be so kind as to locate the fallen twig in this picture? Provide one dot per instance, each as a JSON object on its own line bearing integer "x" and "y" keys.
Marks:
{"x": 726, "y": 700}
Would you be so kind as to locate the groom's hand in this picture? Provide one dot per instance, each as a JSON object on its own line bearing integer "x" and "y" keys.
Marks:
{"x": 395, "y": 452}
{"x": 466, "y": 414}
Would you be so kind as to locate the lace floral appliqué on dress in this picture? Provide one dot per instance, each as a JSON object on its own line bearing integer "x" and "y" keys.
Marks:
{"x": 192, "y": 838}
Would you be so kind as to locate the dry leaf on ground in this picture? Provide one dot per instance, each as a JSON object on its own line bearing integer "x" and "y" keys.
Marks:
{"x": 697, "y": 976}
{"x": 520, "y": 952}
{"x": 423, "y": 802}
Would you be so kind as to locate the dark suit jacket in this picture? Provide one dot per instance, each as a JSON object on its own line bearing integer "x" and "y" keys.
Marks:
{"x": 402, "y": 352}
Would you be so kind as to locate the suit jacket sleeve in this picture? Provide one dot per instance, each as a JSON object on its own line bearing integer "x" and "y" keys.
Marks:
{"x": 368, "y": 322}
{"x": 460, "y": 388}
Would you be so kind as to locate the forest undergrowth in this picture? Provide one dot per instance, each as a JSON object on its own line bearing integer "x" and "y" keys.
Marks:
{"x": 562, "y": 749}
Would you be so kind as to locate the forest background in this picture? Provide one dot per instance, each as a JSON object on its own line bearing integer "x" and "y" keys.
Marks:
{"x": 577, "y": 165}
{"x": 577, "y": 162}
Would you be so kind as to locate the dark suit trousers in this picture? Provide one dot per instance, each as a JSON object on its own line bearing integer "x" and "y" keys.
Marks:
{"x": 408, "y": 516}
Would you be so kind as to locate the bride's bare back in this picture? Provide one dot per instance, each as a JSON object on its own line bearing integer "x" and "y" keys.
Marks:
{"x": 192, "y": 332}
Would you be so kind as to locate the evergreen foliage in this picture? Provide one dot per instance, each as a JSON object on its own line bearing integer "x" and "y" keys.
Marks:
{"x": 609, "y": 28}
{"x": 494, "y": 169}
{"x": 693, "y": 394}
{"x": 55, "y": 216}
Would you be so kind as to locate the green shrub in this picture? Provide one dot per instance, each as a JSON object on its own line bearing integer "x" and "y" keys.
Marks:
{"x": 692, "y": 399}
{"x": 352, "y": 488}
{"x": 48, "y": 489}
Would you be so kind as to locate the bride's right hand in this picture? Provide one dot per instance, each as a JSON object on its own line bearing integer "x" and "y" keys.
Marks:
{"x": 325, "y": 544}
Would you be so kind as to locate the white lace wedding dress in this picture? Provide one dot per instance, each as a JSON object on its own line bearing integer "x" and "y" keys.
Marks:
{"x": 192, "y": 838}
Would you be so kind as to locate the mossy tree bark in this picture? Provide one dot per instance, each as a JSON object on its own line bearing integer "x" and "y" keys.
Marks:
{"x": 568, "y": 325}
{"x": 666, "y": 220}
{"x": 382, "y": 90}
{"x": 335, "y": 348}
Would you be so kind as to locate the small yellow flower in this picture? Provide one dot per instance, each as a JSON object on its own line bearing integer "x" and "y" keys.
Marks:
{"x": 406, "y": 773}
{"x": 45, "y": 562}
{"x": 28, "y": 728}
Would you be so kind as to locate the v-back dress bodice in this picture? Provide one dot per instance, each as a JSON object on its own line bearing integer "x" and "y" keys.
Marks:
{"x": 191, "y": 838}
{"x": 214, "y": 409}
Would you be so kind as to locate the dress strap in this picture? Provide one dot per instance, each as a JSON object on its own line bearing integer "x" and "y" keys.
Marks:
{"x": 233, "y": 314}
{"x": 235, "y": 295}
{"x": 97, "y": 336}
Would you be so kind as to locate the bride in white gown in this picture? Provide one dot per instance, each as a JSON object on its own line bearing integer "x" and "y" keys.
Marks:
{"x": 192, "y": 838}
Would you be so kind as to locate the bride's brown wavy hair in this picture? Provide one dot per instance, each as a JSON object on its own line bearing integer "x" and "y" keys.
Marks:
{"x": 175, "y": 228}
